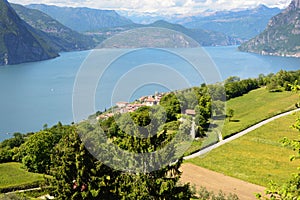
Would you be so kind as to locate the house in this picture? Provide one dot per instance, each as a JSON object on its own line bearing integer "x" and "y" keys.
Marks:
{"x": 150, "y": 101}
{"x": 190, "y": 112}
{"x": 105, "y": 116}
{"x": 122, "y": 104}
{"x": 142, "y": 99}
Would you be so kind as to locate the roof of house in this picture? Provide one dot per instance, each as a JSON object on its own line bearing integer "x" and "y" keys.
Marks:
{"x": 150, "y": 100}
{"x": 190, "y": 112}
{"x": 122, "y": 102}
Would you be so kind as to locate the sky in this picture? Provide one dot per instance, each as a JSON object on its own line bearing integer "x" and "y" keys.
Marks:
{"x": 164, "y": 7}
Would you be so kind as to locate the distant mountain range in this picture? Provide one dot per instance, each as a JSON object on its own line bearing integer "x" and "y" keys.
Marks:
{"x": 83, "y": 19}
{"x": 202, "y": 37}
{"x": 243, "y": 24}
{"x": 38, "y": 32}
{"x": 282, "y": 35}
{"x": 103, "y": 24}
{"x": 18, "y": 41}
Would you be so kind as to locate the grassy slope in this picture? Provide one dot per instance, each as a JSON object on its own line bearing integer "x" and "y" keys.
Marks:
{"x": 257, "y": 157}
{"x": 255, "y": 107}
{"x": 13, "y": 175}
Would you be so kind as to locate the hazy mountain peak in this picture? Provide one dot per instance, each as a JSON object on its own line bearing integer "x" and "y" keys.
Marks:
{"x": 162, "y": 22}
{"x": 262, "y": 7}
{"x": 244, "y": 24}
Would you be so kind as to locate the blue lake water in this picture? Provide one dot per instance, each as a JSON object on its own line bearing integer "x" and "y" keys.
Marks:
{"x": 34, "y": 94}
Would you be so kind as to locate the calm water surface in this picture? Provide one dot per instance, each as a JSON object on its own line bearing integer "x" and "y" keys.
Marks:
{"x": 34, "y": 94}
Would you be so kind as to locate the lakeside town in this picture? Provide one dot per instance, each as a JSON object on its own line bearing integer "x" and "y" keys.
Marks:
{"x": 123, "y": 107}
{"x": 126, "y": 107}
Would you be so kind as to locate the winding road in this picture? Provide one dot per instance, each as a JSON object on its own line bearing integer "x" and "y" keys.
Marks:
{"x": 238, "y": 135}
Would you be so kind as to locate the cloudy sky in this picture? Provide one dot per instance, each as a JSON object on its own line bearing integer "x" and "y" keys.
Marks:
{"x": 162, "y": 6}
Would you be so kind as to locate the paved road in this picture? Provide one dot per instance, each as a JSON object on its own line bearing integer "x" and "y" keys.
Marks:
{"x": 238, "y": 135}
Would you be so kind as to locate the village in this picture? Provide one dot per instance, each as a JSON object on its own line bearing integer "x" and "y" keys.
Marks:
{"x": 125, "y": 107}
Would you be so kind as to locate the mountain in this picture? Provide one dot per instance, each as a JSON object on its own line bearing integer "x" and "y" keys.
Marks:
{"x": 58, "y": 36}
{"x": 244, "y": 24}
{"x": 149, "y": 37}
{"x": 203, "y": 37}
{"x": 282, "y": 35}
{"x": 18, "y": 43}
{"x": 145, "y": 17}
{"x": 83, "y": 19}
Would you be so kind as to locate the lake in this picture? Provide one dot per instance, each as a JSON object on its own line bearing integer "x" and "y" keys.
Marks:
{"x": 34, "y": 94}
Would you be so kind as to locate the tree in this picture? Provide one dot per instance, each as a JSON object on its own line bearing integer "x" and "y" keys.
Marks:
{"x": 35, "y": 152}
{"x": 218, "y": 108}
{"x": 172, "y": 106}
{"x": 77, "y": 174}
{"x": 273, "y": 86}
{"x": 6, "y": 155}
{"x": 9, "y": 147}
{"x": 73, "y": 166}
{"x": 16, "y": 141}
{"x": 230, "y": 114}
{"x": 261, "y": 80}
{"x": 239, "y": 88}
{"x": 232, "y": 79}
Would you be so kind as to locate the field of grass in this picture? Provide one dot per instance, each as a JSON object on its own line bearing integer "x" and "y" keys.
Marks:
{"x": 258, "y": 157}
{"x": 13, "y": 176}
{"x": 256, "y": 106}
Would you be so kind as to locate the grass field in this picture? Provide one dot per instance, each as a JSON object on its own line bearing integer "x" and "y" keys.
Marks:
{"x": 258, "y": 157}
{"x": 256, "y": 106}
{"x": 12, "y": 175}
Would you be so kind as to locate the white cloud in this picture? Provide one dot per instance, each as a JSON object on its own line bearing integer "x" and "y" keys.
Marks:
{"x": 166, "y": 7}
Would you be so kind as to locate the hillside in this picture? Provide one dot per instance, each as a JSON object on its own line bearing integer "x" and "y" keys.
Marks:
{"x": 258, "y": 157}
{"x": 58, "y": 36}
{"x": 244, "y": 24}
{"x": 282, "y": 35}
{"x": 203, "y": 37}
{"x": 18, "y": 43}
{"x": 83, "y": 19}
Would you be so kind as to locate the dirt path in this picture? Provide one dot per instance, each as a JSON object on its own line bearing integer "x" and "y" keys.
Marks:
{"x": 214, "y": 181}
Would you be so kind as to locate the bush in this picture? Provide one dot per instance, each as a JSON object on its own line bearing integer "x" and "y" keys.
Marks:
{"x": 21, "y": 187}
{"x": 204, "y": 194}
{"x": 13, "y": 197}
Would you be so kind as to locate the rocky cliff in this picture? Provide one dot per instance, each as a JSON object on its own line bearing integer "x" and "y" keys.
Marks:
{"x": 282, "y": 35}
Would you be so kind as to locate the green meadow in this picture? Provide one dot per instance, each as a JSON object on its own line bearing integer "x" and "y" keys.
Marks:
{"x": 255, "y": 107}
{"x": 14, "y": 176}
{"x": 259, "y": 157}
